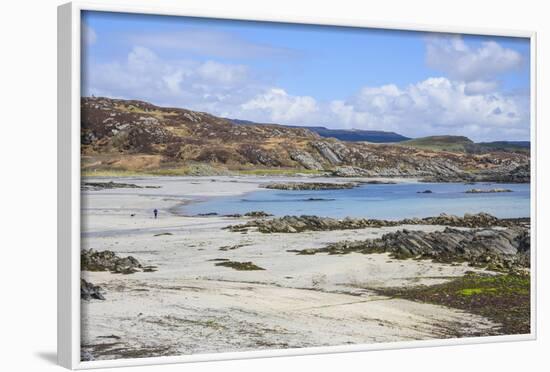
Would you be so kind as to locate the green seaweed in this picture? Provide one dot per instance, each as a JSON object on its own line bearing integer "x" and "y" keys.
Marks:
{"x": 505, "y": 299}
{"x": 241, "y": 266}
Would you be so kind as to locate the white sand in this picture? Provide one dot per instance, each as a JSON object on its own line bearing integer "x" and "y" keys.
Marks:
{"x": 192, "y": 306}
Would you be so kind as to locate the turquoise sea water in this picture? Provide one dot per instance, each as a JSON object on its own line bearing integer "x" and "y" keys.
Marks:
{"x": 376, "y": 201}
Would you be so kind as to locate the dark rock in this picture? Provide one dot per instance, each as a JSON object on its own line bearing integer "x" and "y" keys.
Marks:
{"x": 296, "y": 224}
{"x": 486, "y": 191}
{"x": 310, "y": 186}
{"x": 425, "y": 192}
{"x": 378, "y": 182}
{"x": 504, "y": 249}
{"x": 92, "y": 260}
{"x": 240, "y": 266}
{"x": 89, "y": 291}
{"x": 234, "y": 215}
{"x": 257, "y": 214}
{"x": 95, "y": 186}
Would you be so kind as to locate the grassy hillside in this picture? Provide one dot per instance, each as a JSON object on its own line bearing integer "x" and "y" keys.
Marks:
{"x": 465, "y": 145}
{"x": 440, "y": 143}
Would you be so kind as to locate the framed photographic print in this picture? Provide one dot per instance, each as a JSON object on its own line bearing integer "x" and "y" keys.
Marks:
{"x": 244, "y": 186}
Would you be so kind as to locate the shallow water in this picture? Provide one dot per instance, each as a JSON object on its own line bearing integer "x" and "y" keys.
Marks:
{"x": 376, "y": 201}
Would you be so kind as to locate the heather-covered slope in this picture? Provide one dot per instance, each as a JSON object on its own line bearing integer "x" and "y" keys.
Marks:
{"x": 135, "y": 136}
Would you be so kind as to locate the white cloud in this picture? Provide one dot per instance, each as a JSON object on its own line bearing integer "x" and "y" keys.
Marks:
{"x": 480, "y": 87}
{"x": 222, "y": 73}
{"x": 88, "y": 35}
{"x": 451, "y": 55}
{"x": 434, "y": 106}
{"x": 208, "y": 86}
{"x": 429, "y": 107}
{"x": 276, "y": 105}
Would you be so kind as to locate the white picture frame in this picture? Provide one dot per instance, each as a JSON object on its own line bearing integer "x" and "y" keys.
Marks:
{"x": 69, "y": 194}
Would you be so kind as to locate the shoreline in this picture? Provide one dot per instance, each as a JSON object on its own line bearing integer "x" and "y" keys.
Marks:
{"x": 193, "y": 305}
{"x": 297, "y": 176}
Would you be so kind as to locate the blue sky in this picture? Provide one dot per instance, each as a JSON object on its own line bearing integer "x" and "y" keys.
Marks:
{"x": 413, "y": 83}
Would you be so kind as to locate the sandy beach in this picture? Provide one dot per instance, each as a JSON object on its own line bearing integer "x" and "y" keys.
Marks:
{"x": 190, "y": 305}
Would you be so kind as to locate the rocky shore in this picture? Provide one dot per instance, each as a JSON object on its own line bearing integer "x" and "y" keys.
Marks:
{"x": 297, "y": 224}
{"x": 498, "y": 250}
{"x": 310, "y": 186}
{"x": 95, "y": 186}
{"x": 92, "y": 260}
{"x": 213, "y": 284}
{"x": 486, "y": 191}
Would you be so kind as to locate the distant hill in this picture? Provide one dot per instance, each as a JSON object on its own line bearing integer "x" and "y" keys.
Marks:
{"x": 466, "y": 145}
{"x": 440, "y": 143}
{"x": 348, "y": 135}
{"x": 507, "y": 145}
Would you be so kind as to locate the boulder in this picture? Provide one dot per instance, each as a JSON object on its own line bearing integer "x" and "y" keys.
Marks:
{"x": 89, "y": 291}
{"x": 92, "y": 260}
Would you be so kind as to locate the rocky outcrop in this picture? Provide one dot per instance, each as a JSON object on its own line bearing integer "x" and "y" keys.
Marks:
{"x": 95, "y": 186}
{"x": 310, "y": 186}
{"x": 89, "y": 291}
{"x": 92, "y": 260}
{"x": 350, "y": 171}
{"x": 257, "y": 214}
{"x": 328, "y": 152}
{"x": 297, "y": 224}
{"x": 468, "y": 220}
{"x": 497, "y": 249}
{"x": 486, "y": 191}
{"x": 305, "y": 159}
{"x": 510, "y": 172}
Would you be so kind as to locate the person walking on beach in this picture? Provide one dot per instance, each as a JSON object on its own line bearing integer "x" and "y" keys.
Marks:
{"x": 155, "y": 212}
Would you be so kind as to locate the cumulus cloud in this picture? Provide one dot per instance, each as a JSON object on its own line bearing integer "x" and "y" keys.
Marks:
{"x": 276, "y": 105}
{"x": 429, "y": 107}
{"x": 207, "y": 86}
{"x": 480, "y": 86}
{"x": 433, "y": 106}
{"x": 451, "y": 55}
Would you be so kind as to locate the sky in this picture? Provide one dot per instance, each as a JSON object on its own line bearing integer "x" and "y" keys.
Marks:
{"x": 413, "y": 83}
